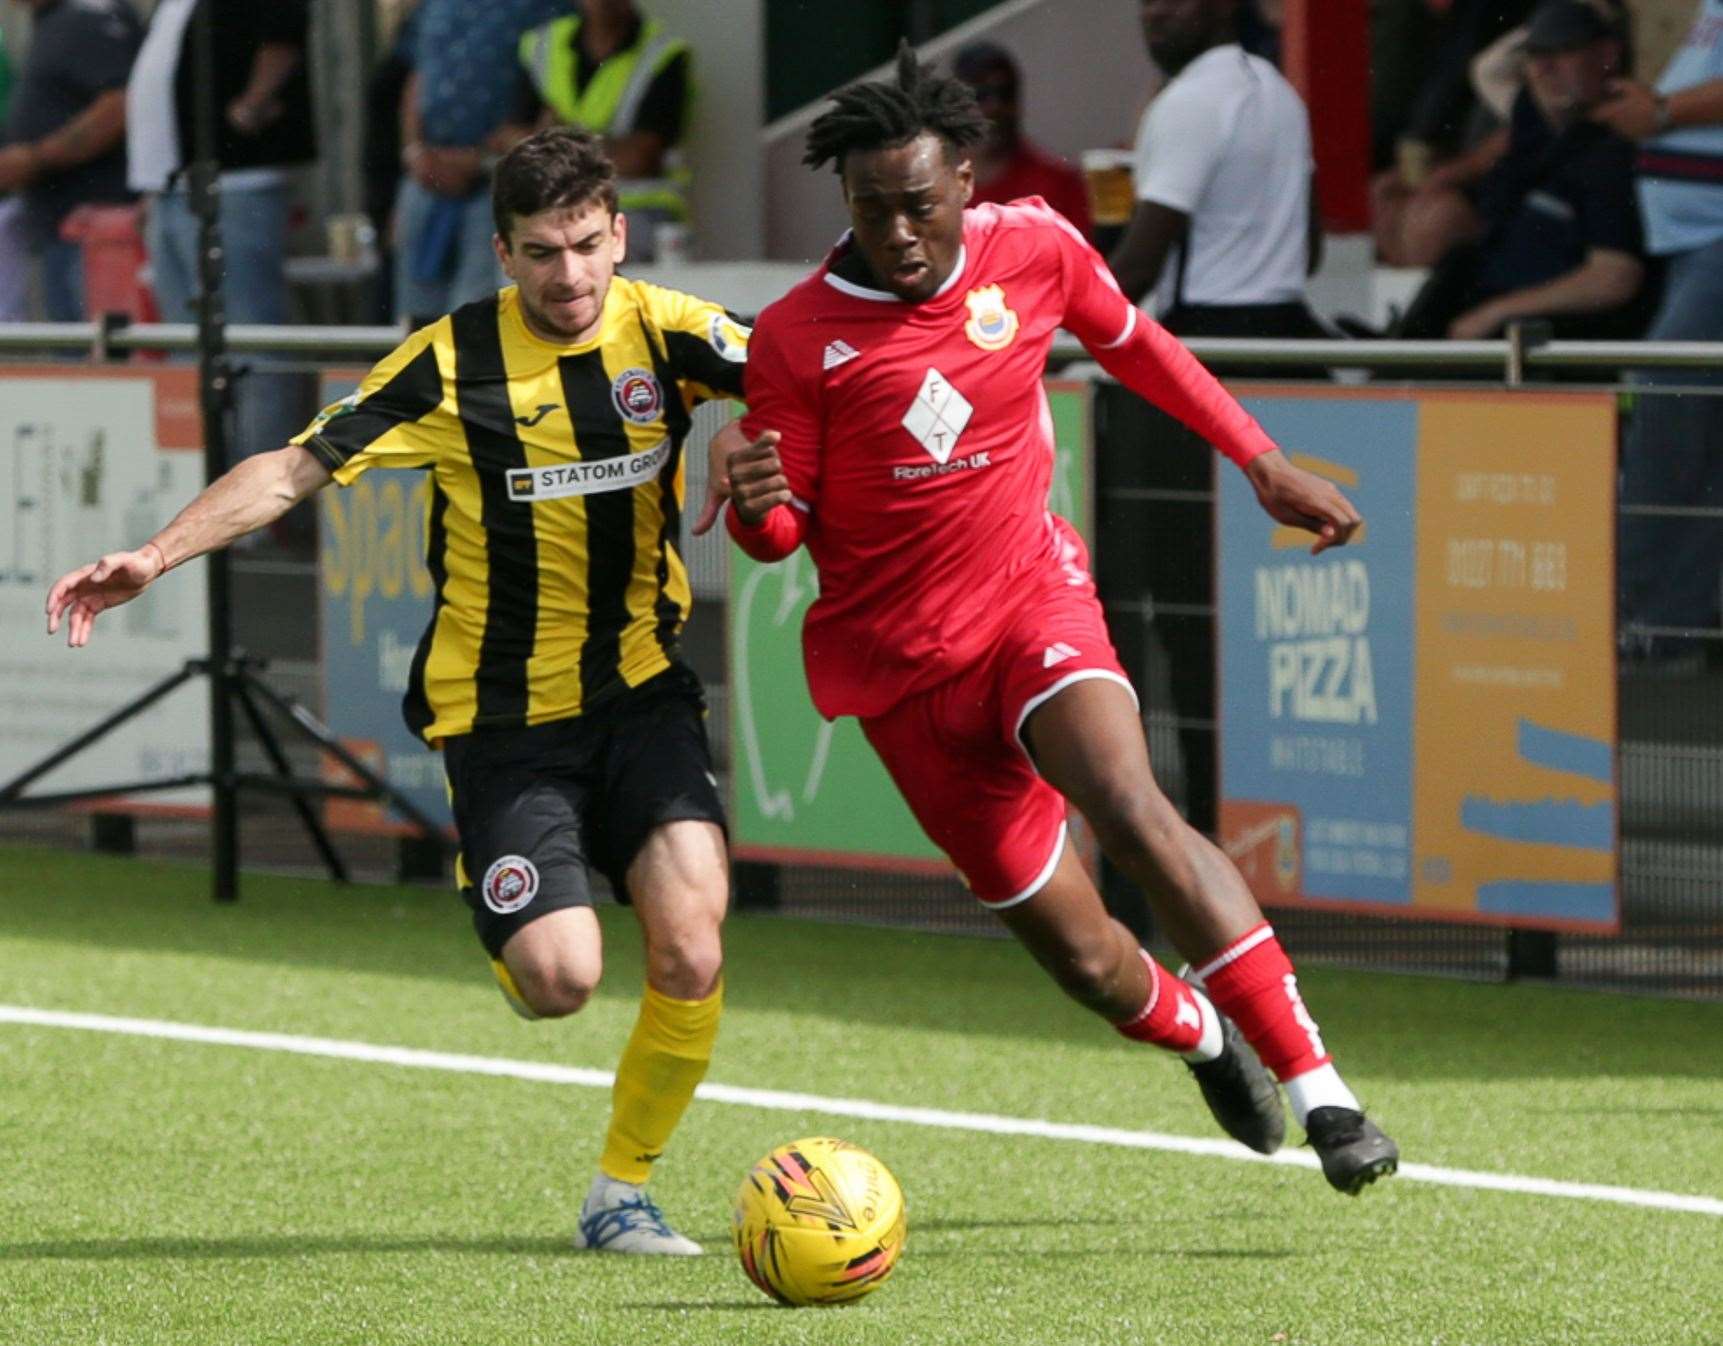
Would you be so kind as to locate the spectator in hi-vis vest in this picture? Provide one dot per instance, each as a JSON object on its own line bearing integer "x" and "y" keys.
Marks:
{"x": 607, "y": 69}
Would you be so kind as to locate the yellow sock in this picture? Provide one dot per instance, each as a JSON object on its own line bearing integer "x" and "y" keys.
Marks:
{"x": 665, "y": 1059}
{"x": 511, "y": 990}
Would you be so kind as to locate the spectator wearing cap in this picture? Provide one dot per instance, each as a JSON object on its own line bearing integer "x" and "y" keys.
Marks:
{"x": 1416, "y": 225}
{"x": 1008, "y": 165}
{"x": 1554, "y": 230}
{"x": 66, "y": 129}
{"x": 1445, "y": 141}
{"x": 1671, "y": 566}
{"x": 1499, "y": 72}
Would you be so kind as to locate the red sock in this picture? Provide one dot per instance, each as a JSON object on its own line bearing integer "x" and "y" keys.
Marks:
{"x": 1251, "y": 981}
{"x": 1171, "y": 1017}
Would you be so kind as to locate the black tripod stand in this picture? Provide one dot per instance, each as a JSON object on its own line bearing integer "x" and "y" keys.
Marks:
{"x": 233, "y": 676}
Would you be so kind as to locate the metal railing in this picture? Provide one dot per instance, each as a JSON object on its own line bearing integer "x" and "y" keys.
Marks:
{"x": 1511, "y": 358}
{"x": 103, "y": 340}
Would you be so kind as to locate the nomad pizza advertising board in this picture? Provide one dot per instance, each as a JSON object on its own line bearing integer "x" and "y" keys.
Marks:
{"x": 1422, "y": 723}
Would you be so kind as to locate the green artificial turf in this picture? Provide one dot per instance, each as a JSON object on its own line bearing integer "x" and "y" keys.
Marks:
{"x": 158, "y": 1191}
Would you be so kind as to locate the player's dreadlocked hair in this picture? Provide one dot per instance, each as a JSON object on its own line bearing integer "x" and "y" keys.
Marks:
{"x": 880, "y": 115}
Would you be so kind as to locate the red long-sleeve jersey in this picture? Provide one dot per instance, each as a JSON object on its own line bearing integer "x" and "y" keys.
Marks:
{"x": 919, "y": 446}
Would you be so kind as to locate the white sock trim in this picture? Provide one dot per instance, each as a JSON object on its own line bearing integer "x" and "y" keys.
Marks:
{"x": 1318, "y": 1088}
{"x": 1243, "y": 945}
{"x": 1213, "y": 1040}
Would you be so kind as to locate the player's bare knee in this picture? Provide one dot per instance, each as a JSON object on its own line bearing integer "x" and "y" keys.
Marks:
{"x": 1088, "y": 969}
{"x": 555, "y": 990}
{"x": 686, "y": 967}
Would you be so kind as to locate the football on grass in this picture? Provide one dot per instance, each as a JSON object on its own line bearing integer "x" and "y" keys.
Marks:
{"x": 818, "y": 1221}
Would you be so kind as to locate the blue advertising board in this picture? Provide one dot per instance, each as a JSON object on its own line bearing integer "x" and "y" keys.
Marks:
{"x": 1316, "y": 701}
{"x": 376, "y": 598}
{"x": 1423, "y": 722}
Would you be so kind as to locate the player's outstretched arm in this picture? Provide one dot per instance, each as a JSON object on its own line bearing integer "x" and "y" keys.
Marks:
{"x": 255, "y": 493}
{"x": 1302, "y": 499}
{"x": 1152, "y": 363}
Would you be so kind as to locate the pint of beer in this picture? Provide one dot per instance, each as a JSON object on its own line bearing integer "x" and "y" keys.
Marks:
{"x": 1111, "y": 194}
{"x": 1413, "y": 158}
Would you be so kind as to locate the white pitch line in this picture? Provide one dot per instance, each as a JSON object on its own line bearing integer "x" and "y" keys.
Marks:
{"x": 545, "y": 1073}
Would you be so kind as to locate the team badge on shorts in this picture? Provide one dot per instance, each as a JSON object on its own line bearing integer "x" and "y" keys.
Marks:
{"x": 509, "y": 884}
{"x": 637, "y": 396}
{"x": 991, "y": 325}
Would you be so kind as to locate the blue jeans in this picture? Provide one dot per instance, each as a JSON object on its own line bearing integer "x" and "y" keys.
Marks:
{"x": 14, "y": 262}
{"x": 62, "y": 280}
{"x": 270, "y": 406}
{"x": 472, "y": 271}
{"x": 1671, "y": 567}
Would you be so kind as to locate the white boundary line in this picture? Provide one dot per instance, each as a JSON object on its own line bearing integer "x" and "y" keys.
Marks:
{"x": 546, "y": 1073}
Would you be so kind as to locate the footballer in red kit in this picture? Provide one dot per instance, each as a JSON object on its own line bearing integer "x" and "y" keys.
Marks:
{"x": 898, "y": 428}
{"x": 918, "y": 445}
{"x": 918, "y": 448}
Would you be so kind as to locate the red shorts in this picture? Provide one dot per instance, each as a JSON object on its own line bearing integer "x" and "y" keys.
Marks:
{"x": 958, "y": 759}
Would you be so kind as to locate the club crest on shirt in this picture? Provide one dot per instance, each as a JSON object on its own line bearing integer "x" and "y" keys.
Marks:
{"x": 637, "y": 396}
{"x": 991, "y": 325}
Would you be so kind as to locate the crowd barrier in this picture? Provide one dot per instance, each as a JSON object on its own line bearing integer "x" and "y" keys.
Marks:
{"x": 1426, "y": 752}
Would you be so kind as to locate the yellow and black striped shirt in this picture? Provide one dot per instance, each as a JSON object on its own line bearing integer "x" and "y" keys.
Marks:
{"x": 556, "y": 496}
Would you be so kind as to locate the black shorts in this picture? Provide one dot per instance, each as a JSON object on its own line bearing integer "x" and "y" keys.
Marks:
{"x": 539, "y": 808}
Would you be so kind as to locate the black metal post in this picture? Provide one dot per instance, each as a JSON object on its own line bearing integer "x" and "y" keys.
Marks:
{"x": 1532, "y": 953}
{"x": 284, "y": 769}
{"x": 375, "y": 787}
{"x": 215, "y": 389}
{"x": 758, "y": 885}
{"x": 113, "y": 833}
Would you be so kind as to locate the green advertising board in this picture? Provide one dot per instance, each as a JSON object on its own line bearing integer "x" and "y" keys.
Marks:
{"x": 811, "y": 790}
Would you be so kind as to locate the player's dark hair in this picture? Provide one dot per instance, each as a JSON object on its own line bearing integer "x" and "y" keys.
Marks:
{"x": 556, "y": 168}
{"x": 878, "y": 115}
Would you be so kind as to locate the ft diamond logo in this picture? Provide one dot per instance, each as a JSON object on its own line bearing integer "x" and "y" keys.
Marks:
{"x": 937, "y": 416}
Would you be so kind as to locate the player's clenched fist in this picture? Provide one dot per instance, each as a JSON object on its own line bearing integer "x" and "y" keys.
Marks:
{"x": 747, "y": 474}
{"x": 757, "y": 481}
{"x": 80, "y": 595}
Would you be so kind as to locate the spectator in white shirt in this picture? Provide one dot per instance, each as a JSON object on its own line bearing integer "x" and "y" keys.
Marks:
{"x": 1222, "y": 237}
